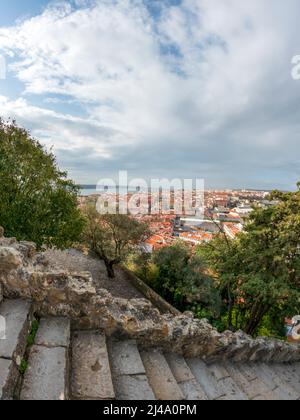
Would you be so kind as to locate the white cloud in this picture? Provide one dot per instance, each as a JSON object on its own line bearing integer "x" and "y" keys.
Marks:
{"x": 201, "y": 76}
{"x": 61, "y": 130}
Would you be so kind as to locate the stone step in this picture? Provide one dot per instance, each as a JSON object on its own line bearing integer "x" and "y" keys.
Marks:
{"x": 46, "y": 377}
{"x": 8, "y": 378}
{"x": 290, "y": 374}
{"x": 160, "y": 376}
{"x": 187, "y": 382}
{"x": 53, "y": 332}
{"x": 106, "y": 369}
{"x": 215, "y": 381}
{"x": 205, "y": 379}
{"x": 276, "y": 383}
{"x": 91, "y": 376}
{"x": 232, "y": 390}
{"x": 253, "y": 387}
{"x": 17, "y": 315}
{"x": 128, "y": 372}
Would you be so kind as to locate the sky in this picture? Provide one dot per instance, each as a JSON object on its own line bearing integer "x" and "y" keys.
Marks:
{"x": 160, "y": 88}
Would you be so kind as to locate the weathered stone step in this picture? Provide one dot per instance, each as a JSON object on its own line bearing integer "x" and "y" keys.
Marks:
{"x": 278, "y": 385}
{"x": 8, "y": 378}
{"x": 18, "y": 316}
{"x": 160, "y": 376}
{"x": 291, "y": 376}
{"x": 216, "y": 381}
{"x": 252, "y": 386}
{"x": 187, "y": 382}
{"x": 232, "y": 390}
{"x": 47, "y": 375}
{"x": 205, "y": 379}
{"x": 115, "y": 368}
{"x": 128, "y": 372}
{"x": 91, "y": 376}
{"x": 53, "y": 332}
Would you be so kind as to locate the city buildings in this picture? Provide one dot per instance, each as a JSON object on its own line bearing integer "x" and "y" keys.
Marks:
{"x": 223, "y": 211}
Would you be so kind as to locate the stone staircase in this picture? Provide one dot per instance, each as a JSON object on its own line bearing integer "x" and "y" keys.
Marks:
{"x": 86, "y": 365}
{"x": 18, "y": 317}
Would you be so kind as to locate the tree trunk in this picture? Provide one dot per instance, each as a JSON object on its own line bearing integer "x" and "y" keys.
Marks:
{"x": 230, "y": 309}
{"x": 237, "y": 319}
{"x": 251, "y": 320}
{"x": 110, "y": 269}
{"x": 259, "y": 311}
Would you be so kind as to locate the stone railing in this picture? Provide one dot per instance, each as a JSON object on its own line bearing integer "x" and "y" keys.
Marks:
{"x": 24, "y": 273}
{"x": 149, "y": 293}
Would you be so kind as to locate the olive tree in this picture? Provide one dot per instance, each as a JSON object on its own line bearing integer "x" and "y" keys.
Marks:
{"x": 112, "y": 237}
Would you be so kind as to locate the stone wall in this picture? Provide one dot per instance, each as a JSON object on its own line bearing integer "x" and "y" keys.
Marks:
{"x": 24, "y": 273}
{"x": 149, "y": 293}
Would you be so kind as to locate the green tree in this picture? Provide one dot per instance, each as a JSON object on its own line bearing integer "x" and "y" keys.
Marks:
{"x": 141, "y": 263}
{"x": 183, "y": 279}
{"x": 259, "y": 272}
{"x": 37, "y": 201}
{"x": 112, "y": 237}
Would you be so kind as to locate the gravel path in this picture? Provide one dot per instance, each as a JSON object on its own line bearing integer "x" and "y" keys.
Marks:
{"x": 73, "y": 260}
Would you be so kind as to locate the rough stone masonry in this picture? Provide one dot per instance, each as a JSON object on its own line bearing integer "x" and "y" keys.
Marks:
{"x": 24, "y": 273}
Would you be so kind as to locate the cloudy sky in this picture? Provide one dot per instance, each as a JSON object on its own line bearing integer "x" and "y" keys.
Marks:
{"x": 161, "y": 88}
